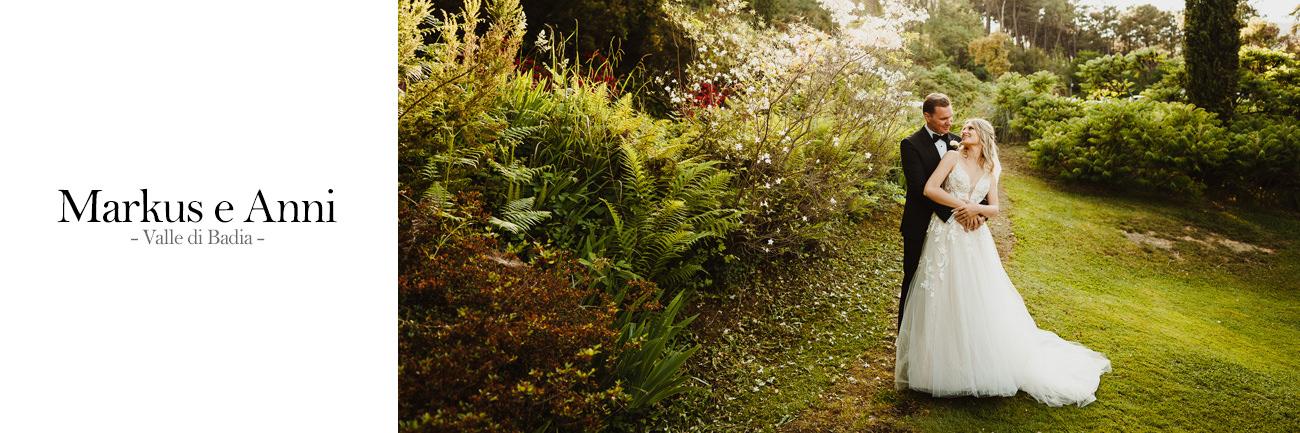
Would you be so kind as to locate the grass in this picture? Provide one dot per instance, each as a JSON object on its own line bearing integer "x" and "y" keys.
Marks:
{"x": 775, "y": 343}
{"x": 1201, "y": 338}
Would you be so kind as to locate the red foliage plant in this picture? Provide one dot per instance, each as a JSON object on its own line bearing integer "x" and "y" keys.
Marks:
{"x": 710, "y": 95}
{"x": 599, "y": 70}
{"x": 489, "y": 343}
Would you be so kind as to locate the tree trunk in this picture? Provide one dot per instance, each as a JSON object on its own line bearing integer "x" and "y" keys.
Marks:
{"x": 1002, "y": 17}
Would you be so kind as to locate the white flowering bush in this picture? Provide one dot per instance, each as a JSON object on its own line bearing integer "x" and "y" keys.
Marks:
{"x": 808, "y": 120}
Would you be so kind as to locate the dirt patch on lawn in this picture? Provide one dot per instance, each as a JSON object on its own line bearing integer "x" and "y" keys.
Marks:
{"x": 1206, "y": 239}
{"x": 1150, "y": 239}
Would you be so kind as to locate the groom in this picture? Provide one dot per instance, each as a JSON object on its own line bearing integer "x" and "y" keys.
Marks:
{"x": 921, "y": 153}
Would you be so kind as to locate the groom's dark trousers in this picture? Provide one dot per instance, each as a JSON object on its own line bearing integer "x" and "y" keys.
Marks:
{"x": 919, "y": 157}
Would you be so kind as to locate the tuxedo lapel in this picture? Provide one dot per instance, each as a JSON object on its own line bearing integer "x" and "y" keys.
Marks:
{"x": 921, "y": 141}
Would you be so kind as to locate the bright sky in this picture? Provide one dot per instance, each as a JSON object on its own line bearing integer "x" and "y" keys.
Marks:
{"x": 1272, "y": 10}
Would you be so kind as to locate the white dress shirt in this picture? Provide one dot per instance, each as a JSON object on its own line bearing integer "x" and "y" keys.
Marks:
{"x": 939, "y": 145}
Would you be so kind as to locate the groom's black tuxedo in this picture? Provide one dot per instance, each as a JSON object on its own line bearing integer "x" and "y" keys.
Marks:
{"x": 920, "y": 157}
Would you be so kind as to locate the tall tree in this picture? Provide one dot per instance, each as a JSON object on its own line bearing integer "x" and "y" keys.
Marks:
{"x": 991, "y": 52}
{"x": 1212, "y": 39}
{"x": 1099, "y": 30}
{"x": 1146, "y": 26}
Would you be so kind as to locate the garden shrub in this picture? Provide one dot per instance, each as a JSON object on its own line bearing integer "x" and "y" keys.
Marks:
{"x": 1172, "y": 84}
{"x": 970, "y": 96}
{"x": 1164, "y": 145}
{"x": 490, "y": 343}
{"x": 1028, "y": 104}
{"x": 1265, "y": 159}
{"x": 1123, "y": 75}
{"x": 1269, "y": 83}
{"x": 1136, "y": 144}
{"x": 615, "y": 182}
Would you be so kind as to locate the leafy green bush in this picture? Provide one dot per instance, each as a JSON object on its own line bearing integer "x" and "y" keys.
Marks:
{"x": 970, "y": 96}
{"x": 1265, "y": 159}
{"x": 615, "y": 182}
{"x": 1027, "y": 105}
{"x": 1123, "y": 75}
{"x": 1270, "y": 83}
{"x": 1028, "y": 60}
{"x": 1160, "y": 143}
{"x": 1139, "y": 145}
{"x": 1172, "y": 84}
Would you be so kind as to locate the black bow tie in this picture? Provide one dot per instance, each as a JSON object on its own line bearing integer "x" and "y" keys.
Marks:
{"x": 937, "y": 137}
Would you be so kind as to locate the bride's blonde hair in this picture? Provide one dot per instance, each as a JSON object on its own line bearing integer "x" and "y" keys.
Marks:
{"x": 989, "y": 156}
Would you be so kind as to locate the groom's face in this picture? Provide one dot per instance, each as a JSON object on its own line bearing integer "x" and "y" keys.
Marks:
{"x": 940, "y": 120}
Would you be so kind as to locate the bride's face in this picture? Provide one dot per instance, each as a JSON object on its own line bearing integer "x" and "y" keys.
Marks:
{"x": 969, "y": 135}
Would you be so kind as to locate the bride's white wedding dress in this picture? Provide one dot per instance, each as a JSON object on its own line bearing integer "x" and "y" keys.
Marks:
{"x": 966, "y": 330}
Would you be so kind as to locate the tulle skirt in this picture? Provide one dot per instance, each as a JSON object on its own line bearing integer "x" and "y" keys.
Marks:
{"x": 966, "y": 330}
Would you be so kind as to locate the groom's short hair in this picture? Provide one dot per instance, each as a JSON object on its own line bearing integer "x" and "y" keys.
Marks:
{"x": 934, "y": 100}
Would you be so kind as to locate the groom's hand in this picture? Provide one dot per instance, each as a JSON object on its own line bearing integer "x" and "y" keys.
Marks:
{"x": 968, "y": 216}
{"x": 969, "y": 221}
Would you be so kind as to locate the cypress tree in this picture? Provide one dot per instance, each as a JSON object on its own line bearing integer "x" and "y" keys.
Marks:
{"x": 1212, "y": 37}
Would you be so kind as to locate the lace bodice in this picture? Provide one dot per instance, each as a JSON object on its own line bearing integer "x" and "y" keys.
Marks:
{"x": 959, "y": 185}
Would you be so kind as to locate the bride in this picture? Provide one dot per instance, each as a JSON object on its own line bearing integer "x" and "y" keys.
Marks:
{"x": 965, "y": 329}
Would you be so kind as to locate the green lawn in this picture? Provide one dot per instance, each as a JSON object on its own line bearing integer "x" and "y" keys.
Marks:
{"x": 1201, "y": 338}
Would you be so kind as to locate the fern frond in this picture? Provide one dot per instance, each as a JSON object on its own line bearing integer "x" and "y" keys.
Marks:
{"x": 438, "y": 197}
{"x": 517, "y": 172}
{"x": 634, "y": 173}
{"x": 520, "y": 205}
{"x": 463, "y": 157}
{"x": 670, "y": 216}
{"x": 516, "y": 134}
{"x": 518, "y": 216}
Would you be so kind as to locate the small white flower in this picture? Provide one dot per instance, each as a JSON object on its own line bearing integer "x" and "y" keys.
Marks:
{"x": 832, "y": 201}
{"x": 543, "y": 41}
{"x": 868, "y": 155}
{"x": 769, "y": 241}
